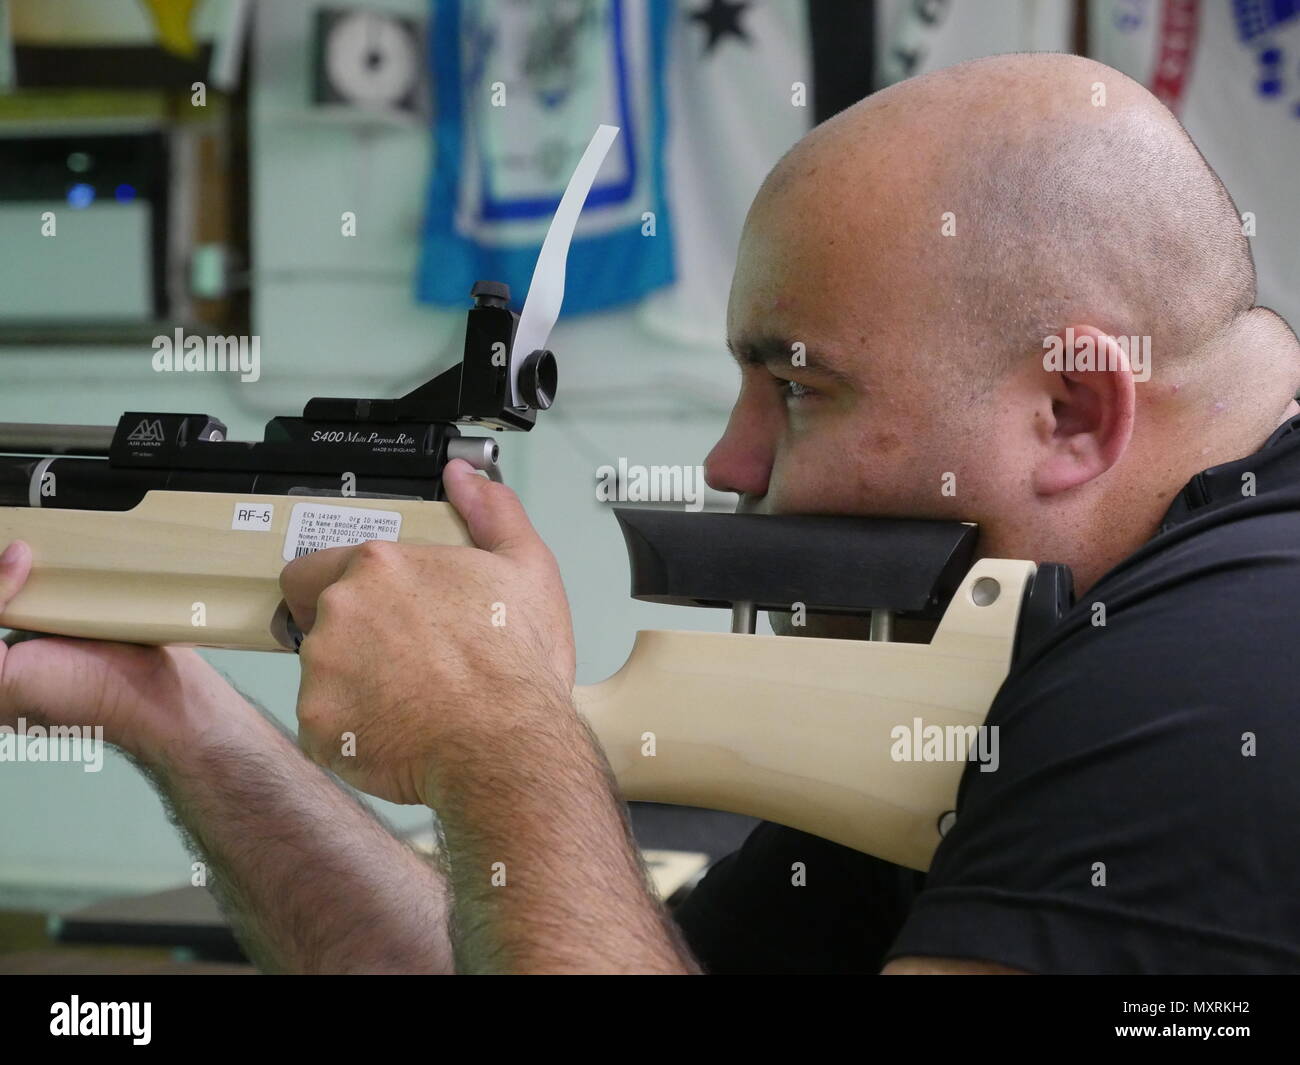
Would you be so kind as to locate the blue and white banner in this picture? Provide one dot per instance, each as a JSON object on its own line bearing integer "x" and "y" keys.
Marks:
{"x": 519, "y": 91}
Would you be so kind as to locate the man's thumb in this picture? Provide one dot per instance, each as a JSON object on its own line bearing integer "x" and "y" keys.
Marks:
{"x": 495, "y": 517}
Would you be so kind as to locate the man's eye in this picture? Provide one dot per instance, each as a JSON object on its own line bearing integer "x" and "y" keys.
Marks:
{"x": 794, "y": 390}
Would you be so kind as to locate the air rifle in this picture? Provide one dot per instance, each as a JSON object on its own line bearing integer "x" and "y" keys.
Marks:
{"x": 139, "y": 531}
{"x": 160, "y": 530}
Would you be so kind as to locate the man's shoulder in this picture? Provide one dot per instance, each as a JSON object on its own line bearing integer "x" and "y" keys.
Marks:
{"x": 1171, "y": 681}
{"x": 1139, "y": 816}
{"x": 1227, "y": 588}
{"x": 1259, "y": 536}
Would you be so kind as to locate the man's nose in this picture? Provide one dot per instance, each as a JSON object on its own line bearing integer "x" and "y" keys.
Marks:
{"x": 742, "y": 460}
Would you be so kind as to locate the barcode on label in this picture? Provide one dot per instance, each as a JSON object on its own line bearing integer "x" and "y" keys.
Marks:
{"x": 304, "y": 551}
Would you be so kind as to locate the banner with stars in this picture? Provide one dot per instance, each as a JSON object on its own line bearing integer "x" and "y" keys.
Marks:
{"x": 747, "y": 79}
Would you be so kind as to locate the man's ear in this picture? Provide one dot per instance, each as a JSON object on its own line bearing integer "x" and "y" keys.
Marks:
{"x": 1091, "y": 391}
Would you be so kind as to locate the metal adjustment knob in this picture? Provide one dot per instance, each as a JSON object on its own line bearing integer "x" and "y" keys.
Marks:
{"x": 481, "y": 452}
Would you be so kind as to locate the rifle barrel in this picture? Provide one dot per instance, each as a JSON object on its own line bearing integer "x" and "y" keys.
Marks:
{"x": 20, "y": 438}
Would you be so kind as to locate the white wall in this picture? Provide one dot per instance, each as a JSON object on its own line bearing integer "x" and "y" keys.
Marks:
{"x": 337, "y": 318}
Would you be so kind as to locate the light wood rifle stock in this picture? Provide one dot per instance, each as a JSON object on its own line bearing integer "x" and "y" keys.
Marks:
{"x": 793, "y": 730}
{"x": 798, "y": 730}
{"x": 136, "y": 575}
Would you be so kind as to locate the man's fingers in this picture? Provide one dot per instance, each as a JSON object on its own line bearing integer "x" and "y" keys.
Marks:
{"x": 492, "y": 512}
{"x": 15, "y": 565}
{"x": 495, "y": 517}
{"x": 303, "y": 580}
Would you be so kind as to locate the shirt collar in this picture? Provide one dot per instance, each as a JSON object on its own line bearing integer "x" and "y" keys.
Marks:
{"x": 1275, "y": 465}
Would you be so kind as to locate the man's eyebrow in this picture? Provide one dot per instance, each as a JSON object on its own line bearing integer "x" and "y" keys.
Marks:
{"x": 780, "y": 351}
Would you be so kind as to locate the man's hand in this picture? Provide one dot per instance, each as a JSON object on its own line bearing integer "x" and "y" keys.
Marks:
{"x": 418, "y": 657}
{"x": 444, "y": 676}
{"x": 147, "y": 699}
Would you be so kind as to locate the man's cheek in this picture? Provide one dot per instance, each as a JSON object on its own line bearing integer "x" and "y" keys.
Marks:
{"x": 833, "y": 486}
{"x": 799, "y": 482}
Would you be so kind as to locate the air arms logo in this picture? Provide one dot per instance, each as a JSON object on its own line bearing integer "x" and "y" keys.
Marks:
{"x": 147, "y": 432}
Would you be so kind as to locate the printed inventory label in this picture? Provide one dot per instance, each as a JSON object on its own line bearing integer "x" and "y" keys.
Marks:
{"x": 253, "y": 517}
{"x": 316, "y": 526}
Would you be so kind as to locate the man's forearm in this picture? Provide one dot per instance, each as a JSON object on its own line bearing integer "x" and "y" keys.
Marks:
{"x": 311, "y": 880}
{"x": 545, "y": 874}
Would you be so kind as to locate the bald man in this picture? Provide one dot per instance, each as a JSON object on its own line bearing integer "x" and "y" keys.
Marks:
{"x": 926, "y": 247}
{"x": 931, "y": 249}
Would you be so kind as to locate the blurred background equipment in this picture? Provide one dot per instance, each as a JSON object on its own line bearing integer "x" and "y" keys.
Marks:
{"x": 368, "y": 60}
{"x": 112, "y": 191}
{"x": 121, "y": 168}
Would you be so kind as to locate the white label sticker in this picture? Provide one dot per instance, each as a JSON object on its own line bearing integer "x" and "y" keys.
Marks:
{"x": 253, "y": 517}
{"x": 316, "y": 526}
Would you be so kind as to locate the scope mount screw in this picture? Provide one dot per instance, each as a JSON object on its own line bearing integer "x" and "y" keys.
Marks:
{"x": 490, "y": 293}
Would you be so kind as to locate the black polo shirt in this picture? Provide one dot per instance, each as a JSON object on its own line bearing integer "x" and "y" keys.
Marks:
{"x": 1145, "y": 816}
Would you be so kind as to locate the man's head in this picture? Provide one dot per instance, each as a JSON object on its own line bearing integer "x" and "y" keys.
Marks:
{"x": 903, "y": 269}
